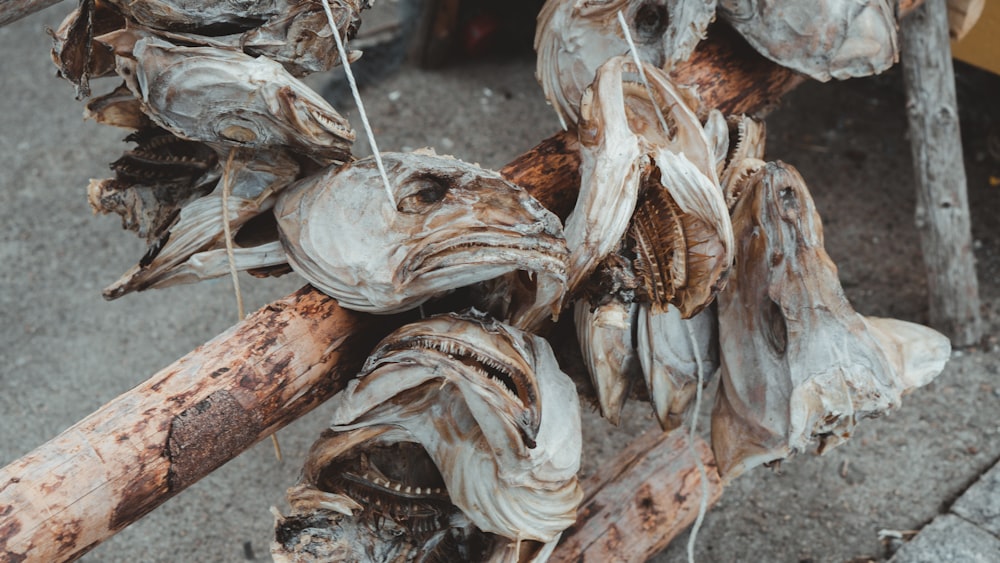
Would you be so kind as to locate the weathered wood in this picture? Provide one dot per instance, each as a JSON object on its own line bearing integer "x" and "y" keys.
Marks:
{"x": 635, "y": 506}
{"x": 13, "y": 10}
{"x": 116, "y": 465}
{"x": 942, "y": 203}
{"x": 962, "y": 17}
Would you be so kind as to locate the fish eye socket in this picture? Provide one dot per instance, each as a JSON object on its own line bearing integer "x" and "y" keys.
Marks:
{"x": 775, "y": 329}
{"x": 425, "y": 193}
{"x": 651, "y": 21}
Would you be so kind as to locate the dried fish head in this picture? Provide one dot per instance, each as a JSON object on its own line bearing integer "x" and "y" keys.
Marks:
{"x": 74, "y": 51}
{"x": 606, "y": 334}
{"x": 799, "y": 366}
{"x": 372, "y": 494}
{"x": 827, "y": 38}
{"x": 486, "y": 403}
{"x": 682, "y": 235}
{"x": 575, "y": 37}
{"x": 154, "y": 180}
{"x": 229, "y": 98}
{"x": 745, "y": 158}
{"x": 299, "y": 37}
{"x": 675, "y": 354}
{"x": 187, "y": 239}
{"x": 633, "y": 139}
{"x": 450, "y": 225}
{"x": 207, "y": 18}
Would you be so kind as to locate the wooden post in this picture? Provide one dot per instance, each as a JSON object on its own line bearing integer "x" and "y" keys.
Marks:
{"x": 942, "y": 202}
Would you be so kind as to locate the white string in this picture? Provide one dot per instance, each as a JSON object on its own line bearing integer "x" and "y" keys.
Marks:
{"x": 642, "y": 73}
{"x": 227, "y": 187}
{"x": 703, "y": 505}
{"x": 228, "y": 234}
{"x": 357, "y": 100}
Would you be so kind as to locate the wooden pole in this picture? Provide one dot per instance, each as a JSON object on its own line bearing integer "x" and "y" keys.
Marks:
{"x": 13, "y": 10}
{"x": 635, "y": 506}
{"x": 942, "y": 214}
{"x": 111, "y": 468}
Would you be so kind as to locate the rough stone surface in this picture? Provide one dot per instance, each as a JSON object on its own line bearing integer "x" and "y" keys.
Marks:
{"x": 981, "y": 503}
{"x": 950, "y": 538}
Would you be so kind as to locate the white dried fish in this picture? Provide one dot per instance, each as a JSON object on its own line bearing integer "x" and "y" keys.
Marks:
{"x": 484, "y": 402}
{"x": 452, "y": 225}
{"x": 575, "y": 37}
{"x": 228, "y": 98}
{"x": 207, "y": 17}
{"x": 606, "y": 335}
{"x": 511, "y": 460}
{"x": 624, "y": 147}
{"x": 799, "y": 366}
{"x": 822, "y": 38}
{"x": 671, "y": 351}
{"x": 191, "y": 248}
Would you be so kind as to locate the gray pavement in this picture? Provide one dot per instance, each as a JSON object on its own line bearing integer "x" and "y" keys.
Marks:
{"x": 64, "y": 351}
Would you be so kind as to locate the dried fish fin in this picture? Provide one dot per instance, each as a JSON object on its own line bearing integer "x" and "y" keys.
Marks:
{"x": 192, "y": 248}
{"x": 717, "y": 133}
{"x": 605, "y": 334}
{"x": 671, "y": 350}
{"x": 918, "y": 353}
{"x": 119, "y": 108}
{"x": 825, "y": 39}
{"x": 199, "y": 266}
{"x": 74, "y": 51}
{"x": 799, "y": 366}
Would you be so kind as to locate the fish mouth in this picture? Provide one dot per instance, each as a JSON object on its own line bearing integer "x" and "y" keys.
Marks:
{"x": 398, "y": 481}
{"x": 314, "y": 121}
{"x": 488, "y": 247}
{"x": 512, "y": 381}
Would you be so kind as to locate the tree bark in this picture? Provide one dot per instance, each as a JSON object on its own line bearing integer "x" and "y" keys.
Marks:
{"x": 634, "y": 507}
{"x": 113, "y": 467}
{"x": 942, "y": 214}
{"x": 13, "y": 10}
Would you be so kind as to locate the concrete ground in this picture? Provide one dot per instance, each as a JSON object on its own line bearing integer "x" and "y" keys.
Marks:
{"x": 64, "y": 351}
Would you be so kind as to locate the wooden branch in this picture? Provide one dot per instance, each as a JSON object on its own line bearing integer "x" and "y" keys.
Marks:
{"x": 116, "y": 465}
{"x": 13, "y": 10}
{"x": 105, "y": 472}
{"x": 942, "y": 202}
{"x": 635, "y": 506}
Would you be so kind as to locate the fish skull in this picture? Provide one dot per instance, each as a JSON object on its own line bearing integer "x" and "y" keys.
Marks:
{"x": 575, "y": 37}
{"x": 449, "y": 224}
{"x": 799, "y": 366}
{"x": 825, "y": 39}
{"x": 635, "y": 138}
{"x": 486, "y": 403}
{"x": 228, "y": 98}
